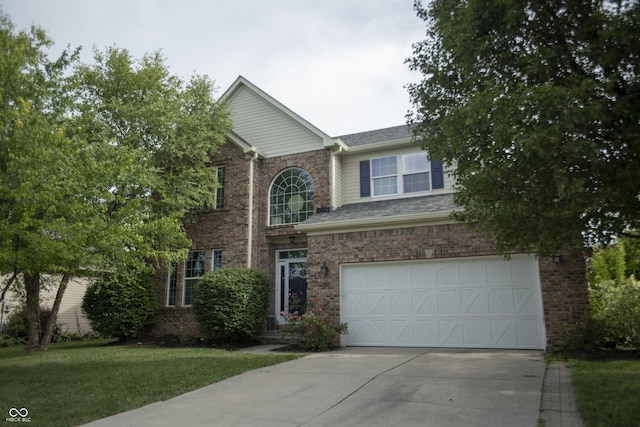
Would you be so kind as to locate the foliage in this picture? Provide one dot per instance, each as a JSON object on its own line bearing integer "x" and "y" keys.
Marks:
{"x": 607, "y": 391}
{"x": 17, "y": 322}
{"x": 7, "y": 340}
{"x": 608, "y": 263}
{"x": 230, "y": 304}
{"x": 89, "y": 380}
{"x": 618, "y": 312}
{"x": 121, "y": 304}
{"x": 632, "y": 253}
{"x": 533, "y": 106}
{"x": 100, "y": 164}
{"x": 316, "y": 328}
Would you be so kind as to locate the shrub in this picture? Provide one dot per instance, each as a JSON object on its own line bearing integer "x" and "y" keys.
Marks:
{"x": 10, "y": 341}
{"x": 121, "y": 304}
{"x": 316, "y": 329}
{"x": 230, "y": 304}
{"x": 17, "y": 322}
{"x": 618, "y": 312}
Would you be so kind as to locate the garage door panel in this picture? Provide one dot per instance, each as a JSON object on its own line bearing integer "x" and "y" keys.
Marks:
{"x": 367, "y": 333}
{"x": 475, "y": 302}
{"x": 525, "y": 302}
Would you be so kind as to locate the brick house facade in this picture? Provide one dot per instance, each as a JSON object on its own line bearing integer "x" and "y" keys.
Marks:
{"x": 455, "y": 289}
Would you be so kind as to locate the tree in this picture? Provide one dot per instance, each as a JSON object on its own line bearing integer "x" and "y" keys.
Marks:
{"x": 535, "y": 107}
{"x": 100, "y": 167}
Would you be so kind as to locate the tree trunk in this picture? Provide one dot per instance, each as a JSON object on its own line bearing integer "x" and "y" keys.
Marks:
{"x": 45, "y": 340}
{"x": 8, "y": 285}
{"x": 32, "y": 288}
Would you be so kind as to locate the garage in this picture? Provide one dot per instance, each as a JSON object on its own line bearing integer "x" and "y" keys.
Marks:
{"x": 479, "y": 302}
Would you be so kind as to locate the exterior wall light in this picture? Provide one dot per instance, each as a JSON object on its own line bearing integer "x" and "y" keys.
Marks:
{"x": 324, "y": 269}
{"x": 557, "y": 258}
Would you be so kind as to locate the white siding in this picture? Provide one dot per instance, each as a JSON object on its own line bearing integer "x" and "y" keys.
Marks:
{"x": 338, "y": 185}
{"x": 261, "y": 124}
{"x": 351, "y": 173}
{"x": 70, "y": 316}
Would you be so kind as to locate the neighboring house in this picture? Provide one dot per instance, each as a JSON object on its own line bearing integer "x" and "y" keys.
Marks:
{"x": 361, "y": 224}
{"x": 70, "y": 317}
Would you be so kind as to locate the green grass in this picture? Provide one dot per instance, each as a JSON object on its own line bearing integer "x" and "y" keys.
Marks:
{"x": 74, "y": 383}
{"x": 608, "y": 392}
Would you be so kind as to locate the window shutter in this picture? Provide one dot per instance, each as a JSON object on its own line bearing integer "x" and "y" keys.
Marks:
{"x": 437, "y": 174}
{"x": 365, "y": 179}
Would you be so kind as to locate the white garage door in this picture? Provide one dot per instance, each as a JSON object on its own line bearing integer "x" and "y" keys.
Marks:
{"x": 482, "y": 302}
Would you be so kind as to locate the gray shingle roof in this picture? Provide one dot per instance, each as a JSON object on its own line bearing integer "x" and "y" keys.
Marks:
{"x": 381, "y": 135}
{"x": 386, "y": 209}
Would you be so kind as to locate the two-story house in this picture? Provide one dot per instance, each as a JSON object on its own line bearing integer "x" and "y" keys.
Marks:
{"x": 361, "y": 225}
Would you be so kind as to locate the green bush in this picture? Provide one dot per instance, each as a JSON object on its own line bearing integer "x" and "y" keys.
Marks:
{"x": 315, "y": 328}
{"x": 121, "y": 305}
{"x": 618, "y": 312}
{"x": 230, "y": 304}
{"x": 17, "y": 322}
{"x": 10, "y": 341}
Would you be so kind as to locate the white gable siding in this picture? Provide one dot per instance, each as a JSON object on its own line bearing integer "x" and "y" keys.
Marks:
{"x": 351, "y": 173}
{"x": 263, "y": 125}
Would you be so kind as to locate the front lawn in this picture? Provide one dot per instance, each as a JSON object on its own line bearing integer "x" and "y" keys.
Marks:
{"x": 608, "y": 392}
{"x": 74, "y": 383}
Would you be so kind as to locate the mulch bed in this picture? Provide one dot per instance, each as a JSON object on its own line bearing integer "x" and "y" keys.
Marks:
{"x": 173, "y": 341}
{"x": 604, "y": 354}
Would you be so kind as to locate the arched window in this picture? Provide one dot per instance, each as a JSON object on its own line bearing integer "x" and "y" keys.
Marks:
{"x": 291, "y": 197}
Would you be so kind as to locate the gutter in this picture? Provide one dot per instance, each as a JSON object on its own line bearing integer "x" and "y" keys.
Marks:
{"x": 376, "y": 223}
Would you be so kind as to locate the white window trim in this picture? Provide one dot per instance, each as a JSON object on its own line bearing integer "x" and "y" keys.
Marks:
{"x": 213, "y": 259}
{"x": 270, "y": 217}
{"x": 400, "y": 173}
{"x": 185, "y": 278}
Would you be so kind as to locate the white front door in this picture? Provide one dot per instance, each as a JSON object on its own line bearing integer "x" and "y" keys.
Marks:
{"x": 291, "y": 282}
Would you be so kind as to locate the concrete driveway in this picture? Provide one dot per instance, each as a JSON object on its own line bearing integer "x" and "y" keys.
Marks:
{"x": 359, "y": 386}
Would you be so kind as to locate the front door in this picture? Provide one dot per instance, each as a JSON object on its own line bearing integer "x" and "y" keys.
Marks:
{"x": 291, "y": 282}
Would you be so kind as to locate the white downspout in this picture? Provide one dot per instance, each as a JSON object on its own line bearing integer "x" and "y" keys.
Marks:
{"x": 252, "y": 161}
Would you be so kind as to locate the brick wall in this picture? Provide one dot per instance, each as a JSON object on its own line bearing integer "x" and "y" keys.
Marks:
{"x": 227, "y": 228}
{"x": 220, "y": 229}
{"x": 564, "y": 286}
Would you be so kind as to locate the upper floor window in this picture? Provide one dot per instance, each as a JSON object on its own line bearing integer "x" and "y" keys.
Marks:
{"x": 291, "y": 197}
{"x": 409, "y": 173}
{"x": 220, "y": 190}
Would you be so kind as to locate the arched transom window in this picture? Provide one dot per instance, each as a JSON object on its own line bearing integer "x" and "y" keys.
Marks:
{"x": 291, "y": 197}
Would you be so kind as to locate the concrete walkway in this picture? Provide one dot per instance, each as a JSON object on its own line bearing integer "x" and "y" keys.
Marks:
{"x": 558, "y": 405}
{"x": 370, "y": 387}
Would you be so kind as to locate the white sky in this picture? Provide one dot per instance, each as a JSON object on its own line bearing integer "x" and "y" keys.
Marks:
{"x": 337, "y": 63}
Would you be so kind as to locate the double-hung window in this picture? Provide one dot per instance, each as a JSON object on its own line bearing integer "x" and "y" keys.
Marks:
{"x": 409, "y": 173}
{"x": 384, "y": 175}
{"x": 216, "y": 259}
{"x": 415, "y": 173}
{"x": 193, "y": 269}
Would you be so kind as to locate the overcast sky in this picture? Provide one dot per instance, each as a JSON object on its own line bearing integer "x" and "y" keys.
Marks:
{"x": 337, "y": 63}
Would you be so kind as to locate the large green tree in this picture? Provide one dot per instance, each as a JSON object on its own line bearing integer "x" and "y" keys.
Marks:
{"x": 535, "y": 107}
{"x": 101, "y": 164}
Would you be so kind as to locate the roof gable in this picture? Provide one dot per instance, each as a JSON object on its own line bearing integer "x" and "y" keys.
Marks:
{"x": 265, "y": 123}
